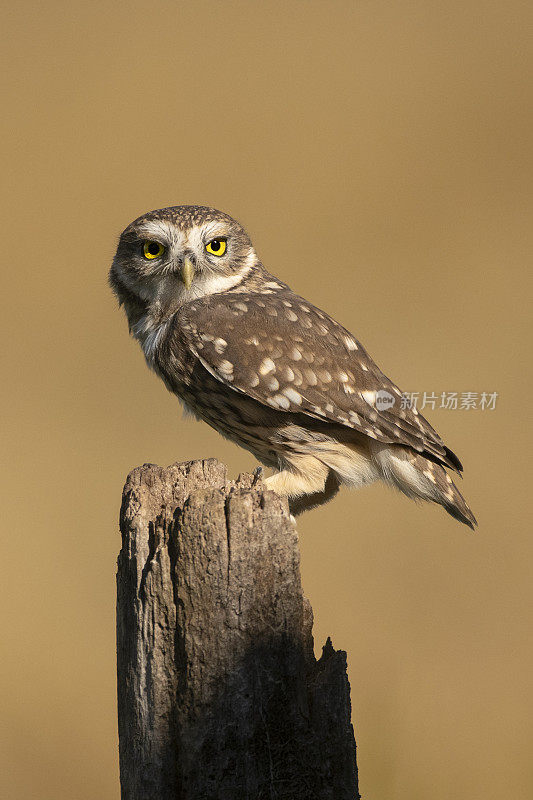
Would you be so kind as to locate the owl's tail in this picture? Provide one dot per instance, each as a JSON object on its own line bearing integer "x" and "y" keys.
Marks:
{"x": 420, "y": 478}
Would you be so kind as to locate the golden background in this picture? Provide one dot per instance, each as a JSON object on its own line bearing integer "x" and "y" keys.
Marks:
{"x": 380, "y": 155}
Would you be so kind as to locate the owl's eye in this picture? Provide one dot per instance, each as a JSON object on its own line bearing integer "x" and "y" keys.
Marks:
{"x": 217, "y": 247}
{"x": 152, "y": 249}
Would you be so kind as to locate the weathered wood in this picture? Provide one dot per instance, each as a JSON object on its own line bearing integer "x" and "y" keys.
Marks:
{"x": 220, "y": 696}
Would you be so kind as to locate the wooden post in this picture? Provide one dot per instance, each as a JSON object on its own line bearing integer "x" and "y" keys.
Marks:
{"x": 220, "y": 696}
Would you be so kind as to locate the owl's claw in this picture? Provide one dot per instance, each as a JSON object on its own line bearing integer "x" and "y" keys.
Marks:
{"x": 258, "y": 475}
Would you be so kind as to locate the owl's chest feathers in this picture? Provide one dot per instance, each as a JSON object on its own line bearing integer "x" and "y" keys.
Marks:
{"x": 150, "y": 332}
{"x": 172, "y": 364}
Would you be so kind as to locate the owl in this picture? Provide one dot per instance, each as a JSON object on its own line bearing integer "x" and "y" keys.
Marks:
{"x": 268, "y": 369}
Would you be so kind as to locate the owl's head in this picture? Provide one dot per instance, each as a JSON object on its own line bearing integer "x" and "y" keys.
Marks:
{"x": 171, "y": 256}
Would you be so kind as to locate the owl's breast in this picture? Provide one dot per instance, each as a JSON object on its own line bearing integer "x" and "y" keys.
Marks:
{"x": 167, "y": 353}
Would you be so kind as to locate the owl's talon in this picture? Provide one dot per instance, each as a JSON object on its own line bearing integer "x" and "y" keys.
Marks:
{"x": 258, "y": 475}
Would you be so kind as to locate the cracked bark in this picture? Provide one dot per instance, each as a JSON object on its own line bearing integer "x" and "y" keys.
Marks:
{"x": 219, "y": 693}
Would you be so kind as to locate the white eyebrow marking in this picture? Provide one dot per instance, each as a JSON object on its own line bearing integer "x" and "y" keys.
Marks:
{"x": 199, "y": 235}
{"x": 158, "y": 227}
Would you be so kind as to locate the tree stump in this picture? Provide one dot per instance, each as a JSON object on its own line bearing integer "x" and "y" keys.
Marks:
{"x": 220, "y": 696}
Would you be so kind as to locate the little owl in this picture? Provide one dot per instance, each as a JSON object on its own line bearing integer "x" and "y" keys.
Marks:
{"x": 269, "y": 370}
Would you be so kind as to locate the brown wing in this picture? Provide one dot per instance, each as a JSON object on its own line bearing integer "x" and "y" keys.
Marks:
{"x": 289, "y": 355}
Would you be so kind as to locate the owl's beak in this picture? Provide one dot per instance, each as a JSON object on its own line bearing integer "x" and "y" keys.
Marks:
{"x": 187, "y": 272}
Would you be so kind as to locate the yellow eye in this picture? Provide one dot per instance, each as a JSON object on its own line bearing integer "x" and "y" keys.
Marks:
{"x": 152, "y": 249}
{"x": 217, "y": 247}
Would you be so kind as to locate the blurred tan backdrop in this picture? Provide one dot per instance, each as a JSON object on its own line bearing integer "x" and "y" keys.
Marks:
{"x": 379, "y": 153}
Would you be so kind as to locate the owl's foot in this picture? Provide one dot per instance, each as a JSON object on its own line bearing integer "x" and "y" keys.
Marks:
{"x": 297, "y": 505}
{"x": 311, "y": 485}
{"x": 258, "y": 474}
